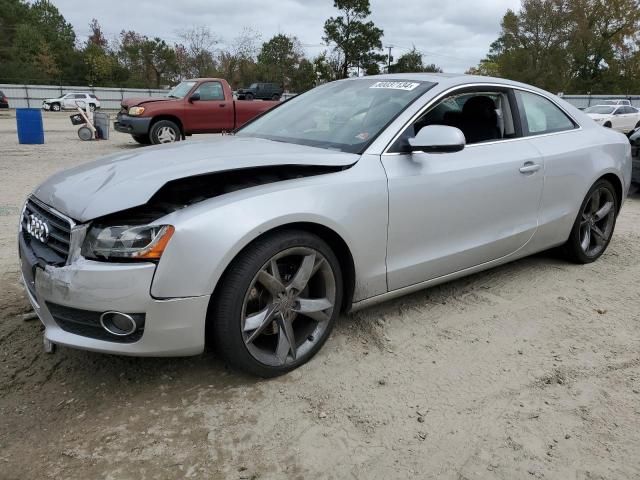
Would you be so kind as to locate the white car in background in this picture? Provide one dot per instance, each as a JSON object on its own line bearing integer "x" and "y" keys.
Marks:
{"x": 71, "y": 101}
{"x": 622, "y": 118}
{"x": 615, "y": 102}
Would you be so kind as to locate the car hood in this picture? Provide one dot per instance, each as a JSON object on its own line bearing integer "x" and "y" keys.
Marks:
{"x": 133, "y": 102}
{"x": 126, "y": 180}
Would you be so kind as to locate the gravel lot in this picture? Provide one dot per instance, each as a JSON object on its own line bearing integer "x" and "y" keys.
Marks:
{"x": 531, "y": 370}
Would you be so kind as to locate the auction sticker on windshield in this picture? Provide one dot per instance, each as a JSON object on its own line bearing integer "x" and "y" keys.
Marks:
{"x": 408, "y": 86}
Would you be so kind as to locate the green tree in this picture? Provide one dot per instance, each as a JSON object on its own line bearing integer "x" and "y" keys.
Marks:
{"x": 575, "y": 46}
{"x": 412, "y": 62}
{"x": 356, "y": 39}
{"x": 279, "y": 59}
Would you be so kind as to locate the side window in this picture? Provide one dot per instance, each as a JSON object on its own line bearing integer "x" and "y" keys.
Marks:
{"x": 481, "y": 115}
{"x": 210, "y": 91}
{"x": 80, "y": 96}
{"x": 539, "y": 115}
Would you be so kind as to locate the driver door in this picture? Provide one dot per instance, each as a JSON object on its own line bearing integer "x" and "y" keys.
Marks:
{"x": 212, "y": 113}
{"x": 452, "y": 211}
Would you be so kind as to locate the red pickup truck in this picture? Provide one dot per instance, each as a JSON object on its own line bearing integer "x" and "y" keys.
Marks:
{"x": 201, "y": 105}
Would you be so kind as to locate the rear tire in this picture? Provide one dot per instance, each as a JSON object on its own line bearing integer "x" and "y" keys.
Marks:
{"x": 275, "y": 97}
{"x": 165, "y": 131}
{"x": 242, "y": 295}
{"x": 92, "y": 107}
{"x": 142, "y": 139}
{"x": 595, "y": 224}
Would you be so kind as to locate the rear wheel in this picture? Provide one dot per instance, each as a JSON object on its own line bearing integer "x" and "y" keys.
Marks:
{"x": 142, "y": 139}
{"x": 92, "y": 107}
{"x": 275, "y": 97}
{"x": 594, "y": 226}
{"x": 164, "y": 131}
{"x": 277, "y": 303}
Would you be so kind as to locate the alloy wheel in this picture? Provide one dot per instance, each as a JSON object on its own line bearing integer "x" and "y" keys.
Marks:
{"x": 166, "y": 135}
{"x": 597, "y": 221}
{"x": 288, "y": 306}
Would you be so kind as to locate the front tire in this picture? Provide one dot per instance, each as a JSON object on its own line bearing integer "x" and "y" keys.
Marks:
{"x": 276, "y": 304}
{"x": 593, "y": 229}
{"x": 55, "y": 107}
{"x": 165, "y": 131}
{"x": 607, "y": 125}
{"x": 248, "y": 96}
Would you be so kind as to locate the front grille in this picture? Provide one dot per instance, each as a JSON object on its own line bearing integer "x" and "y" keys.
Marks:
{"x": 87, "y": 323}
{"x": 53, "y": 247}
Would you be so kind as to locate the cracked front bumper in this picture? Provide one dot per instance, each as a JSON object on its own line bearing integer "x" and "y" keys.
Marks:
{"x": 173, "y": 327}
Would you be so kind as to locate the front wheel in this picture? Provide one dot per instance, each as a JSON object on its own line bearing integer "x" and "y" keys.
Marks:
{"x": 277, "y": 303}
{"x": 593, "y": 229}
{"x": 164, "y": 131}
{"x": 248, "y": 96}
{"x": 55, "y": 107}
{"x": 607, "y": 125}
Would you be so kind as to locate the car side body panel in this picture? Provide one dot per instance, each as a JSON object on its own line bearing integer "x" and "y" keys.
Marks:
{"x": 352, "y": 203}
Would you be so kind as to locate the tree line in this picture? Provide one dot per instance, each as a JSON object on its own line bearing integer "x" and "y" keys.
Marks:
{"x": 571, "y": 46}
{"x": 38, "y": 45}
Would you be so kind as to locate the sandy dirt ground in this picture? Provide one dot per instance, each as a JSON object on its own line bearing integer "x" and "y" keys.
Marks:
{"x": 528, "y": 371}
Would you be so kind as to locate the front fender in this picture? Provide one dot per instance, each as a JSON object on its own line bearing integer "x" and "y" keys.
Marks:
{"x": 209, "y": 235}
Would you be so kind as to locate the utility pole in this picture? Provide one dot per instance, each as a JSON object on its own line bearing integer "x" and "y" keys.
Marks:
{"x": 389, "y": 57}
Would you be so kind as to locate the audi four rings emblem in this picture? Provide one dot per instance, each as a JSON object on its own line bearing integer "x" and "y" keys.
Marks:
{"x": 38, "y": 228}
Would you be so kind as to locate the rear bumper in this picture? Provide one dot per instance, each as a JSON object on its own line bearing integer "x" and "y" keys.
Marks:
{"x": 132, "y": 125}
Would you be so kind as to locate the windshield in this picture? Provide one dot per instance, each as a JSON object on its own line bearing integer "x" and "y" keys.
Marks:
{"x": 346, "y": 115}
{"x": 253, "y": 86}
{"x": 600, "y": 109}
{"x": 181, "y": 90}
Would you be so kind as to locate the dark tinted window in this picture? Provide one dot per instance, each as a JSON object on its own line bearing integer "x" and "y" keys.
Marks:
{"x": 210, "y": 91}
{"x": 540, "y": 115}
{"x": 79, "y": 95}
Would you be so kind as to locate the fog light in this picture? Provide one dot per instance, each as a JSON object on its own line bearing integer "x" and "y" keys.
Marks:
{"x": 117, "y": 323}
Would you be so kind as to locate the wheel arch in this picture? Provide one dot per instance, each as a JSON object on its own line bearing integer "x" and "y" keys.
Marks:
{"x": 617, "y": 186}
{"x": 337, "y": 244}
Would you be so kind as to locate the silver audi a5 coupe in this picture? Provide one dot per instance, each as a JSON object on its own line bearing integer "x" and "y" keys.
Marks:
{"x": 355, "y": 192}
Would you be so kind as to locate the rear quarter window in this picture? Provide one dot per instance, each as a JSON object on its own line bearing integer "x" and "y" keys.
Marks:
{"x": 540, "y": 115}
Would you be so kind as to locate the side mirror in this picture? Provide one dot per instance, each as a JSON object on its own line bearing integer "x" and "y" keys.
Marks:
{"x": 438, "y": 139}
{"x": 194, "y": 97}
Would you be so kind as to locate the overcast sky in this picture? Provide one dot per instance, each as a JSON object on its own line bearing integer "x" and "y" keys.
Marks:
{"x": 453, "y": 34}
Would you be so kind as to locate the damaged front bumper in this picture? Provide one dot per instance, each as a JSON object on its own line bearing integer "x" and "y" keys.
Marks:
{"x": 70, "y": 300}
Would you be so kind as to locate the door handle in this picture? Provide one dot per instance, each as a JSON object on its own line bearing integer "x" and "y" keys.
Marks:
{"x": 530, "y": 167}
{"x": 222, "y": 105}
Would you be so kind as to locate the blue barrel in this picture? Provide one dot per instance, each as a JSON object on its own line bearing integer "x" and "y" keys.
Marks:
{"x": 30, "y": 130}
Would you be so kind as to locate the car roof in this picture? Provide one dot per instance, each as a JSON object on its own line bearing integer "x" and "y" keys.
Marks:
{"x": 448, "y": 80}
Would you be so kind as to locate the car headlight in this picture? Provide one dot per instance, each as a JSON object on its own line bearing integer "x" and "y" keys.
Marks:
{"x": 135, "y": 111}
{"x": 145, "y": 242}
